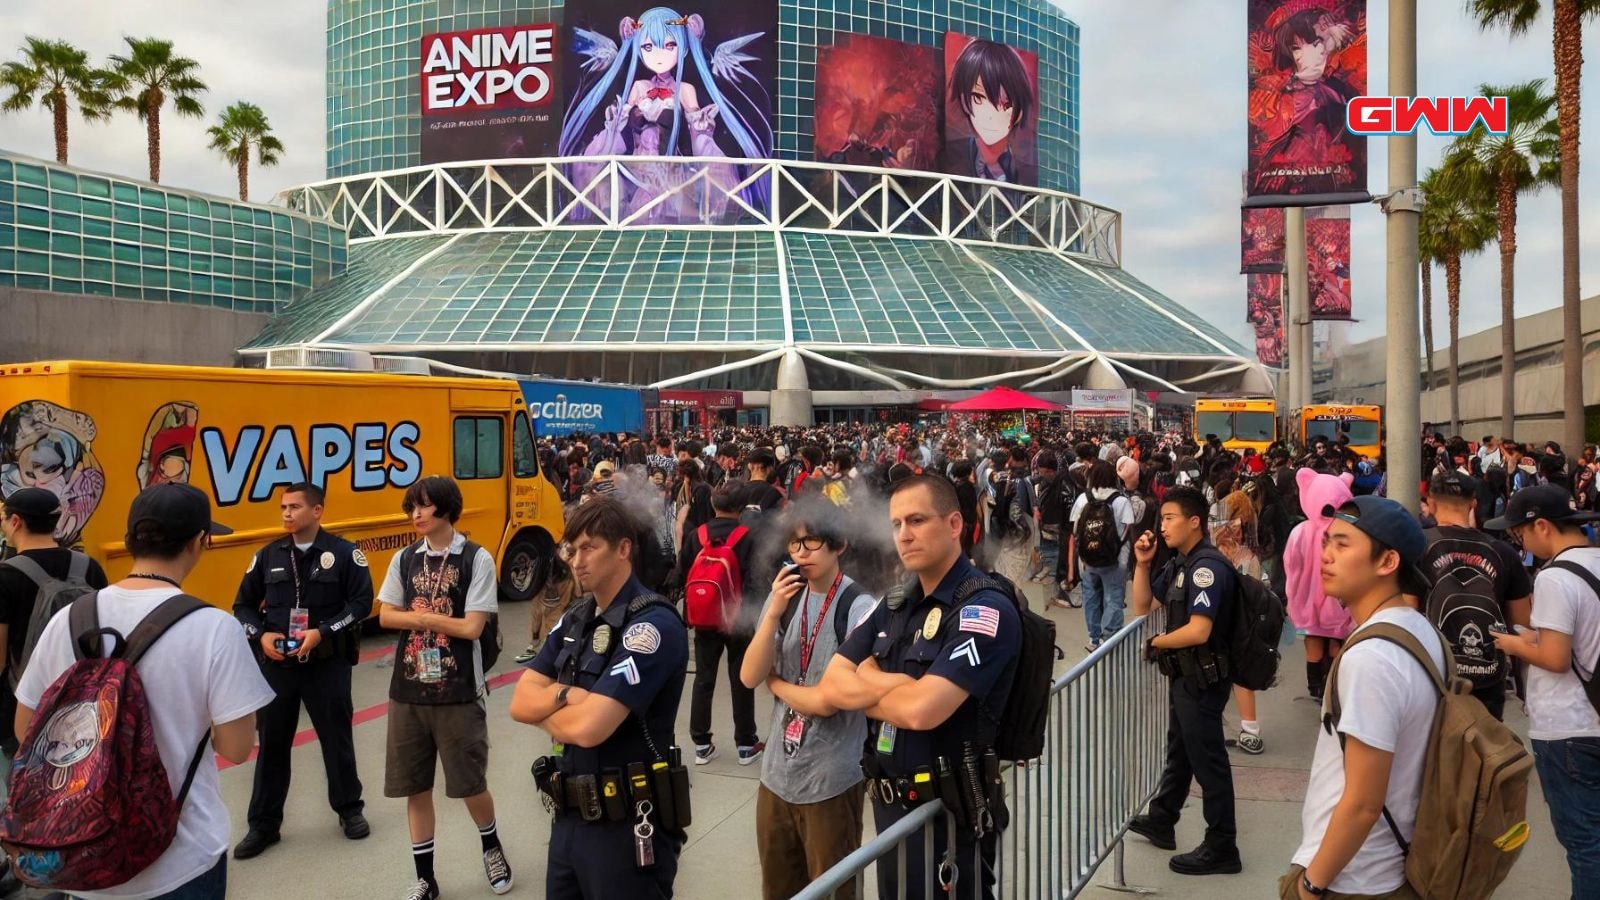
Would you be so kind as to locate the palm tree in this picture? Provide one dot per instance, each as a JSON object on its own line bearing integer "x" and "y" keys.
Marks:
{"x": 1498, "y": 168}
{"x": 50, "y": 72}
{"x": 1425, "y": 256}
{"x": 1517, "y": 16}
{"x": 240, "y": 127}
{"x": 146, "y": 78}
{"x": 1454, "y": 224}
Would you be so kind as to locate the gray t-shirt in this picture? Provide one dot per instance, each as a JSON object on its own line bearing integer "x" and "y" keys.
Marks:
{"x": 828, "y": 762}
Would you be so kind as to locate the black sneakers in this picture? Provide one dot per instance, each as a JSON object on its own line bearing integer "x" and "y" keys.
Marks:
{"x": 355, "y": 827}
{"x": 1162, "y": 836}
{"x": 254, "y": 844}
{"x": 422, "y": 890}
{"x": 1207, "y": 860}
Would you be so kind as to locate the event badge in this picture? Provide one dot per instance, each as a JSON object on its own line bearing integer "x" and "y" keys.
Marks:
{"x": 885, "y": 738}
{"x": 429, "y": 667}
{"x": 299, "y": 618}
{"x": 794, "y": 732}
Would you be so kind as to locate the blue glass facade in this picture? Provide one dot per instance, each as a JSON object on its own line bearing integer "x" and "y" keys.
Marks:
{"x": 374, "y": 118}
{"x": 68, "y": 230}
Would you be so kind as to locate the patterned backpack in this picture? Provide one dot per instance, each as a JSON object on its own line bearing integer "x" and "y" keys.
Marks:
{"x": 91, "y": 805}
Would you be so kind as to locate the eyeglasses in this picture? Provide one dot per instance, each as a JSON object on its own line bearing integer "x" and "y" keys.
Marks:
{"x": 809, "y": 542}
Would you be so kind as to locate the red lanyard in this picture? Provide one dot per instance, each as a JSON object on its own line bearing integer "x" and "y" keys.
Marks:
{"x": 807, "y": 645}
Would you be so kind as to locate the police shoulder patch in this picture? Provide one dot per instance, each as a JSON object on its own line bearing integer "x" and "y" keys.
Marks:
{"x": 359, "y": 558}
{"x": 642, "y": 637}
{"x": 1204, "y": 577}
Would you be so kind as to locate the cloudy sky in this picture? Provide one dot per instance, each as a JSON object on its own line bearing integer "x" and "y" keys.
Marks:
{"x": 1163, "y": 107}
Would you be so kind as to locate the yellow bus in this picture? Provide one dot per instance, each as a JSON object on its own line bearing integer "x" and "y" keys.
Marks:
{"x": 1240, "y": 424}
{"x": 97, "y": 433}
{"x": 1362, "y": 424}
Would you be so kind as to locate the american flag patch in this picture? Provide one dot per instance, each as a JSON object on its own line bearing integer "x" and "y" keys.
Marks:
{"x": 984, "y": 620}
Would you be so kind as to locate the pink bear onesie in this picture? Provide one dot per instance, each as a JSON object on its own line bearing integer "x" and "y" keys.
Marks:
{"x": 1312, "y": 611}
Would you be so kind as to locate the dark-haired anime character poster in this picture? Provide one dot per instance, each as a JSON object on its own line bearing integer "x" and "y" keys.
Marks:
{"x": 1328, "y": 262}
{"x": 1261, "y": 241}
{"x": 1265, "y": 314}
{"x": 1307, "y": 60}
{"x": 694, "y": 79}
{"x": 878, "y": 103}
{"x": 991, "y": 110}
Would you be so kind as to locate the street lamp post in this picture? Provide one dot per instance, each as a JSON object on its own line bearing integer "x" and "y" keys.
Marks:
{"x": 1402, "y": 407}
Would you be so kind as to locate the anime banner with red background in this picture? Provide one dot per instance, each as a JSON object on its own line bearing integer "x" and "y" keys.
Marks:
{"x": 878, "y": 103}
{"x": 1327, "y": 255}
{"x": 991, "y": 110}
{"x": 1306, "y": 60}
{"x": 1265, "y": 315}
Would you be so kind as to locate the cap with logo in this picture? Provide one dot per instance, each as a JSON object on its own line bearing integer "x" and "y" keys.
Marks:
{"x": 1453, "y": 484}
{"x": 32, "y": 502}
{"x": 179, "y": 511}
{"x": 1546, "y": 501}
{"x": 1388, "y": 523}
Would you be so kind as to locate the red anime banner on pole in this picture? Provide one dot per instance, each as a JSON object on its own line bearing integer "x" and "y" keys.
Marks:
{"x": 1306, "y": 60}
{"x": 1261, "y": 242}
{"x": 1265, "y": 315}
{"x": 1328, "y": 263}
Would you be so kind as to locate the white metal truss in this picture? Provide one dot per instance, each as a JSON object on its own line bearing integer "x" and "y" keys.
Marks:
{"x": 710, "y": 193}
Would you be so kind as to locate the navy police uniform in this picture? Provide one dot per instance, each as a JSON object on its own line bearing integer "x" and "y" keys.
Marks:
{"x": 635, "y": 652}
{"x": 1198, "y": 584}
{"x": 974, "y": 644}
{"x": 330, "y": 580}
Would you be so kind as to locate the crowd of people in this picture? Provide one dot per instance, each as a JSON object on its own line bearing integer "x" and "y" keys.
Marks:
{"x": 867, "y": 577}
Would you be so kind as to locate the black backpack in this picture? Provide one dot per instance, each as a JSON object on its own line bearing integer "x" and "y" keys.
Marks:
{"x": 1098, "y": 536}
{"x": 54, "y": 595}
{"x": 1253, "y": 654}
{"x": 841, "y": 611}
{"x": 1001, "y": 519}
{"x": 1463, "y": 605}
{"x": 1017, "y": 733}
{"x": 489, "y": 641}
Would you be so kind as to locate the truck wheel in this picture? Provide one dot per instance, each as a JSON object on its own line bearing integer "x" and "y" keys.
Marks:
{"x": 526, "y": 568}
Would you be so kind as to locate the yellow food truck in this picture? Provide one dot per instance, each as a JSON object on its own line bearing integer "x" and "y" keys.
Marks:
{"x": 1239, "y": 424}
{"x": 1363, "y": 425}
{"x": 97, "y": 433}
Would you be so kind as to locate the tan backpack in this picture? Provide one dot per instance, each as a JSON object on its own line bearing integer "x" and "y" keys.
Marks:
{"x": 1472, "y": 818}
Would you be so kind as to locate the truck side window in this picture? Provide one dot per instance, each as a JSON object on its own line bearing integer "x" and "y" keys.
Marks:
{"x": 524, "y": 453}
{"x": 480, "y": 447}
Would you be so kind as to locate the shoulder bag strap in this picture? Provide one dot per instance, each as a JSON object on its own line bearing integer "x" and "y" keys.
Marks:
{"x": 1591, "y": 685}
{"x": 83, "y": 624}
{"x": 33, "y": 570}
{"x": 79, "y": 570}
{"x": 153, "y": 626}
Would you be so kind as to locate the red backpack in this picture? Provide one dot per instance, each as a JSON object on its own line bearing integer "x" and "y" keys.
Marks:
{"x": 715, "y": 583}
{"x": 91, "y": 806}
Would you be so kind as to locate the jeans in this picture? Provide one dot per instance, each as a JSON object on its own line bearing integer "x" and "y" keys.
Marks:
{"x": 212, "y": 885}
{"x": 1049, "y": 554}
{"x": 1105, "y": 591}
{"x": 708, "y": 647}
{"x": 1569, "y": 772}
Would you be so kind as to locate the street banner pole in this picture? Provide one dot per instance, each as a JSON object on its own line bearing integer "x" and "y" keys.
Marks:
{"x": 1295, "y": 276}
{"x": 1402, "y": 406}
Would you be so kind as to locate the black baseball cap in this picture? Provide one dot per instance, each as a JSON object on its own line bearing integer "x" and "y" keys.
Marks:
{"x": 1388, "y": 523}
{"x": 1453, "y": 484}
{"x": 179, "y": 510}
{"x": 1546, "y": 501}
{"x": 33, "y": 502}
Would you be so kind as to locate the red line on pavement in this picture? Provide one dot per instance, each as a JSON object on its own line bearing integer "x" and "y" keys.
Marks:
{"x": 363, "y": 716}
{"x": 376, "y": 653}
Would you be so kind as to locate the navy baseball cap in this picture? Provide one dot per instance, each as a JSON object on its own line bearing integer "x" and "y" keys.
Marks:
{"x": 1545, "y": 501}
{"x": 32, "y": 502}
{"x": 1388, "y": 523}
{"x": 1453, "y": 484}
{"x": 180, "y": 510}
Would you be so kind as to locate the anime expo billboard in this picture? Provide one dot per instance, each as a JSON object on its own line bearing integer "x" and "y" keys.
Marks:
{"x": 878, "y": 103}
{"x": 491, "y": 93}
{"x": 1327, "y": 255}
{"x": 694, "y": 80}
{"x": 1265, "y": 315}
{"x": 1306, "y": 60}
{"x": 991, "y": 111}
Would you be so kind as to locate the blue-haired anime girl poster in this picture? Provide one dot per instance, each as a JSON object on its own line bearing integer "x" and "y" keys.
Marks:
{"x": 691, "y": 80}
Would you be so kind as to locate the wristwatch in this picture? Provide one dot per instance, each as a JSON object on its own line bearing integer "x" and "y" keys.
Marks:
{"x": 561, "y": 696}
{"x": 1313, "y": 890}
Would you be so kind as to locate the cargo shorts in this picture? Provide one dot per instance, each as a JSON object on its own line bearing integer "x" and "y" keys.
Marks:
{"x": 422, "y": 736}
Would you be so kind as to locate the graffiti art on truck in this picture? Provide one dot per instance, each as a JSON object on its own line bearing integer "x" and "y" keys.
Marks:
{"x": 169, "y": 445}
{"x": 44, "y": 445}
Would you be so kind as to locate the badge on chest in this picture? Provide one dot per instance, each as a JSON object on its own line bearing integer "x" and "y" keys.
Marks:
{"x": 930, "y": 625}
{"x": 601, "y": 642}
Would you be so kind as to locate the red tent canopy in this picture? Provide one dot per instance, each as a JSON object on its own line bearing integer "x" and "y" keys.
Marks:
{"x": 1004, "y": 399}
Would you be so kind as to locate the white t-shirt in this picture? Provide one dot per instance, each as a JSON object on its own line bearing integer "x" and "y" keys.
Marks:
{"x": 1387, "y": 702}
{"x": 198, "y": 674}
{"x": 481, "y": 593}
{"x": 1121, "y": 511}
{"x": 1558, "y": 708}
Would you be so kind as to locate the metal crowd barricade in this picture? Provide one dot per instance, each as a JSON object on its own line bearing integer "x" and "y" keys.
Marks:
{"x": 1104, "y": 750}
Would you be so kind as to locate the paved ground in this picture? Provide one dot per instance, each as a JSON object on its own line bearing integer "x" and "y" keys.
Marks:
{"x": 720, "y": 860}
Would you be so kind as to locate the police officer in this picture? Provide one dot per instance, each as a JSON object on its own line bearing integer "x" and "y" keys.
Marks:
{"x": 933, "y": 672}
{"x": 312, "y": 574}
{"x": 606, "y": 686}
{"x": 1197, "y": 588}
